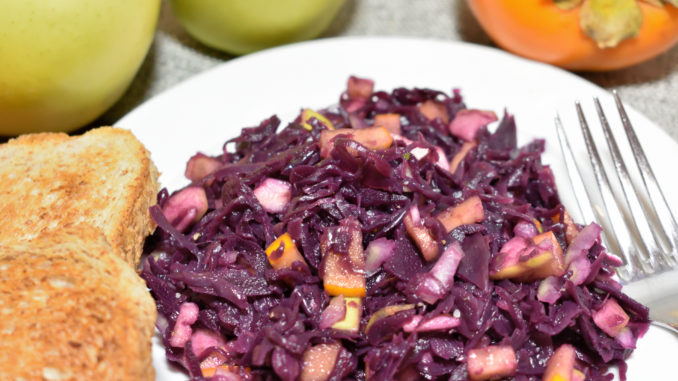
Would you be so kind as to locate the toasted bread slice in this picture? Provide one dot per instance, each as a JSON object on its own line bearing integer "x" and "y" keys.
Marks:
{"x": 71, "y": 309}
{"x": 104, "y": 178}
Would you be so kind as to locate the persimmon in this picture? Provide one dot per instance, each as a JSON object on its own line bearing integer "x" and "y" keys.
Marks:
{"x": 591, "y": 35}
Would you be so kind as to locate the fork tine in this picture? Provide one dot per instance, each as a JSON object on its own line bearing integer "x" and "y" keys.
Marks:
{"x": 661, "y": 207}
{"x": 639, "y": 214}
{"x": 580, "y": 193}
{"x": 629, "y": 252}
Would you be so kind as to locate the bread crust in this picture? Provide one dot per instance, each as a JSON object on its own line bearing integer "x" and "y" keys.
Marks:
{"x": 104, "y": 177}
{"x": 70, "y": 309}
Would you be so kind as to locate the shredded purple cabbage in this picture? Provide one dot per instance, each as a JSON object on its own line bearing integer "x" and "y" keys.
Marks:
{"x": 263, "y": 320}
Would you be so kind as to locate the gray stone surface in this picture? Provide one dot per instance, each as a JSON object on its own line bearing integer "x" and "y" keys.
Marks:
{"x": 651, "y": 87}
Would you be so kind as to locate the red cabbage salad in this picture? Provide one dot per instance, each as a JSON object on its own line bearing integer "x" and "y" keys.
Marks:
{"x": 390, "y": 237}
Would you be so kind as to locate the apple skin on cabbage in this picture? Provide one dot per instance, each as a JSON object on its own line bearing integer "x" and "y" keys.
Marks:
{"x": 245, "y": 26}
{"x": 65, "y": 62}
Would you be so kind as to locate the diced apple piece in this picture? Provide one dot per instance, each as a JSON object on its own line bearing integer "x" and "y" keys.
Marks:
{"x": 578, "y": 375}
{"x": 343, "y": 313}
{"x": 446, "y": 266}
{"x": 546, "y": 259}
{"x": 466, "y": 123}
{"x": 511, "y": 251}
{"x": 468, "y": 212}
{"x": 438, "y": 323}
{"x": 560, "y": 365}
{"x": 548, "y": 243}
{"x": 199, "y": 166}
{"x": 185, "y": 207}
{"x": 359, "y": 87}
{"x": 549, "y": 290}
{"x": 430, "y": 289}
{"x": 285, "y": 258}
{"x": 318, "y": 362}
{"x": 386, "y": 312}
{"x": 214, "y": 360}
{"x": 421, "y": 235}
{"x": 188, "y": 314}
{"x": 538, "y": 225}
{"x": 354, "y": 311}
{"x": 377, "y": 252}
{"x": 526, "y": 229}
{"x": 626, "y": 338}
{"x": 442, "y": 159}
{"x": 335, "y": 312}
{"x": 409, "y": 374}
{"x": 491, "y": 362}
{"x": 306, "y": 116}
{"x": 204, "y": 339}
{"x": 373, "y": 138}
{"x": 273, "y": 194}
{"x": 432, "y": 109}
{"x": 611, "y": 318}
{"x": 459, "y": 156}
{"x": 571, "y": 229}
{"x": 389, "y": 121}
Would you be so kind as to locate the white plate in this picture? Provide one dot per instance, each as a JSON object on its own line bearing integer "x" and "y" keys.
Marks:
{"x": 203, "y": 112}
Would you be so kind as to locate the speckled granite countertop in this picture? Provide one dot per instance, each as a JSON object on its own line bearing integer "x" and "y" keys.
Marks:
{"x": 651, "y": 87}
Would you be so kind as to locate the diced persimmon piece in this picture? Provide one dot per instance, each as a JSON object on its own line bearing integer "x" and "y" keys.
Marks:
{"x": 306, "y": 116}
{"x": 373, "y": 138}
{"x": 289, "y": 255}
{"x": 494, "y": 361}
{"x": 386, "y": 312}
{"x": 468, "y": 212}
{"x": 359, "y": 87}
{"x": 466, "y": 123}
{"x": 611, "y": 318}
{"x": 389, "y": 121}
{"x": 199, "y": 166}
{"x": 432, "y": 109}
{"x": 318, "y": 362}
{"x": 222, "y": 370}
{"x": 354, "y": 311}
{"x": 560, "y": 365}
{"x": 343, "y": 273}
{"x": 459, "y": 156}
{"x": 421, "y": 236}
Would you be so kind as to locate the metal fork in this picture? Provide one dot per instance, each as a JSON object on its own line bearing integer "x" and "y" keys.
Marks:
{"x": 644, "y": 236}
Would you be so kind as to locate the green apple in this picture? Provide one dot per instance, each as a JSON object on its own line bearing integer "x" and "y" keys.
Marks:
{"x": 64, "y": 62}
{"x": 244, "y": 26}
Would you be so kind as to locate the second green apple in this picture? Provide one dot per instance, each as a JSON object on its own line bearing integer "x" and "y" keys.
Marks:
{"x": 244, "y": 26}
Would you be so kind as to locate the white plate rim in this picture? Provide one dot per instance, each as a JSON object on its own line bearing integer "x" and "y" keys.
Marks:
{"x": 138, "y": 119}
